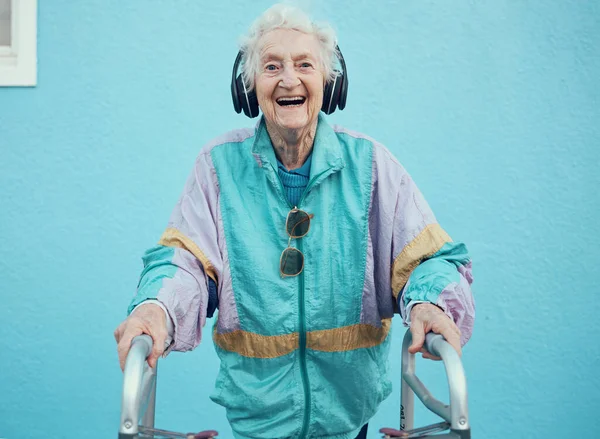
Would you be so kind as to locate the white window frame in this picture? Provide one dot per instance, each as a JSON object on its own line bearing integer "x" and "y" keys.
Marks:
{"x": 18, "y": 62}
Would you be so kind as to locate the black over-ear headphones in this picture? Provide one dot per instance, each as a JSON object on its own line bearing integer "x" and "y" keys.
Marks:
{"x": 334, "y": 94}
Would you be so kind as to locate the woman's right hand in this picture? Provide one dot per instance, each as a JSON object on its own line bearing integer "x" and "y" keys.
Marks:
{"x": 145, "y": 319}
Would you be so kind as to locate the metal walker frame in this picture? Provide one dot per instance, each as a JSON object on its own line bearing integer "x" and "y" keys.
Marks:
{"x": 139, "y": 396}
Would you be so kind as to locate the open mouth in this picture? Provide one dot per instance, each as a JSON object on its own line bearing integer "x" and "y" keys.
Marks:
{"x": 295, "y": 101}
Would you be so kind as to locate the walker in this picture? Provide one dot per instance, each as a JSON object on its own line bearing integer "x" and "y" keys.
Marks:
{"x": 139, "y": 397}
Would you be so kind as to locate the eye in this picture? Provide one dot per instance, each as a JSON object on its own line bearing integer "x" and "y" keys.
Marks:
{"x": 306, "y": 65}
{"x": 270, "y": 67}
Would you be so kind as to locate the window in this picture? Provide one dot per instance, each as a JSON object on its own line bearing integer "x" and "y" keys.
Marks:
{"x": 18, "y": 42}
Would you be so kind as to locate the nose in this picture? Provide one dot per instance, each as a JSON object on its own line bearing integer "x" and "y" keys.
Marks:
{"x": 289, "y": 78}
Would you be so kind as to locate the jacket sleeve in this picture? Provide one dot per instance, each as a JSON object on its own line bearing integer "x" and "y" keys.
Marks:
{"x": 183, "y": 269}
{"x": 427, "y": 266}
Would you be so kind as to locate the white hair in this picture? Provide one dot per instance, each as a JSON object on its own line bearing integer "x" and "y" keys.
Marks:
{"x": 281, "y": 16}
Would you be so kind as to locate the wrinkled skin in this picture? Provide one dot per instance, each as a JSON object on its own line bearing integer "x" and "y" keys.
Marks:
{"x": 146, "y": 319}
{"x": 426, "y": 317}
{"x": 290, "y": 66}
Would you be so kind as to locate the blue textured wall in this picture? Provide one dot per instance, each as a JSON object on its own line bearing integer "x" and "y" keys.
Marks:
{"x": 493, "y": 106}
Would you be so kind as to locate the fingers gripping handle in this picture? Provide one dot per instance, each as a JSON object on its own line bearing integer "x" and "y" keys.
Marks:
{"x": 139, "y": 388}
{"x": 457, "y": 412}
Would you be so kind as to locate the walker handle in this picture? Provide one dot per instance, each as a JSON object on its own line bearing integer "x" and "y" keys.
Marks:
{"x": 457, "y": 412}
{"x": 139, "y": 389}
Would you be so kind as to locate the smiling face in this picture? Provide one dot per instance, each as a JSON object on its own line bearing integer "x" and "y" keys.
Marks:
{"x": 289, "y": 83}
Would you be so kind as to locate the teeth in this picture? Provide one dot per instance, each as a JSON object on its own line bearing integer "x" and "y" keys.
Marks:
{"x": 294, "y": 101}
{"x": 298, "y": 99}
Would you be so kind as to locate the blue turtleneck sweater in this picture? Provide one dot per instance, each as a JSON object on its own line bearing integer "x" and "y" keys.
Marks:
{"x": 295, "y": 181}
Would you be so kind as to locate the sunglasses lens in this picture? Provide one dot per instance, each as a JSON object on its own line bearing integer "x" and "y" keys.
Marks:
{"x": 292, "y": 262}
{"x": 297, "y": 223}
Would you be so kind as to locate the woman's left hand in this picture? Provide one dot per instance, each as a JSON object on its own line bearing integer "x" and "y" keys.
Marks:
{"x": 425, "y": 318}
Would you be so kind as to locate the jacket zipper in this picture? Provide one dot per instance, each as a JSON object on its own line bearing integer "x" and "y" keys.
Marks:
{"x": 302, "y": 309}
{"x": 303, "y": 371}
{"x": 302, "y": 321}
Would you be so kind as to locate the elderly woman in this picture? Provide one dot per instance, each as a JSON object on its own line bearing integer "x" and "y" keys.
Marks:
{"x": 308, "y": 238}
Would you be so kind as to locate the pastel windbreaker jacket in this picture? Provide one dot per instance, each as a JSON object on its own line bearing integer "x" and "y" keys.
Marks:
{"x": 302, "y": 356}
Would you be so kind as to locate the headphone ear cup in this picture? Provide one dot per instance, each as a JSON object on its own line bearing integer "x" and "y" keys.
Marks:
{"x": 247, "y": 100}
{"x": 343, "y": 91}
{"x": 331, "y": 94}
{"x": 327, "y": 97}
{"x": 253, "y": 108}
{"x": 235, "y": 96}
